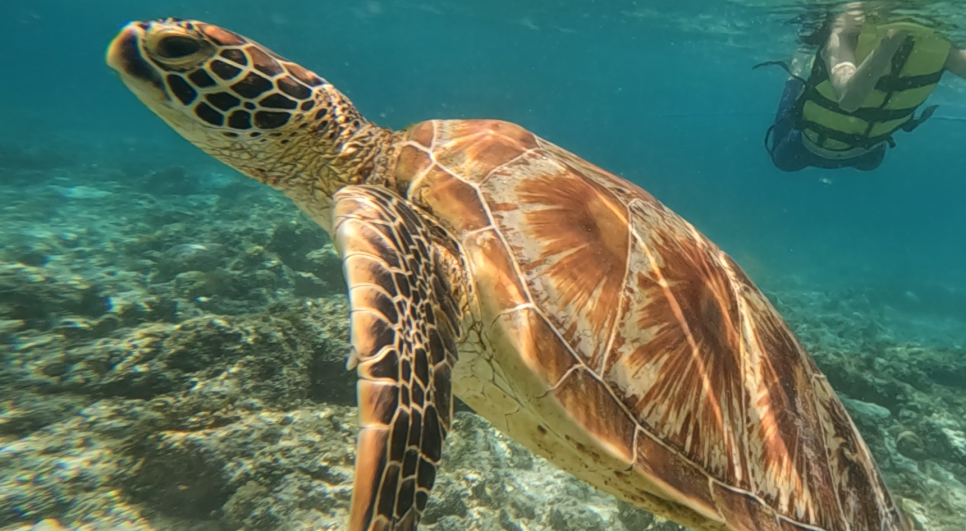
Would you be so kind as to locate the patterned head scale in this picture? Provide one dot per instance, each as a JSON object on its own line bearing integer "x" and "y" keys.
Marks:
{"x": 231, "y": 96}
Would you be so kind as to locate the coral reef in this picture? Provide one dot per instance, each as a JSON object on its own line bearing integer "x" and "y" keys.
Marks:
{"x": 172, "y": 357}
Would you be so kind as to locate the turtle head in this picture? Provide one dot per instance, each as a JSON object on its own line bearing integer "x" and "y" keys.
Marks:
{"x": 267, "y": 117}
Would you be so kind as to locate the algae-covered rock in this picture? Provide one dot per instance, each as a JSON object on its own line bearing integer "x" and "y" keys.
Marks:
{"x": 37, "y": 296}
{"x": 173, "y": 180}
{"x": 306, "y": 249}
{"x": 946, "y": 437}
{"x": 309, "y": 285}
{"x": 176, "y": 360}
{"x": 187, "y": 257}
{"x": 327, "y": 266}
{"x": 292, "y": 242}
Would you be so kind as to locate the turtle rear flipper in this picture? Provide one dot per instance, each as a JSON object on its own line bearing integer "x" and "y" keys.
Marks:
{"x": 404, "y": 328}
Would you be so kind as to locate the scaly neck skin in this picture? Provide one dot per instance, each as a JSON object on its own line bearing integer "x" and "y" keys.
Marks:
{"x": 309, "y": 162}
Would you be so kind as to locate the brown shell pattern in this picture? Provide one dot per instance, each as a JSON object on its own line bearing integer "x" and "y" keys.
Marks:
{"x": 648, "y": 335}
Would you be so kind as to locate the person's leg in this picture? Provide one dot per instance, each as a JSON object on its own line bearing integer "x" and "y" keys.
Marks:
{"x": 787, "y": 152}
{"x": 786, "y": 105}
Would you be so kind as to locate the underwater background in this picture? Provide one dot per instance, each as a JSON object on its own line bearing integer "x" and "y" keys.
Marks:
{"x": 142, "y": 283}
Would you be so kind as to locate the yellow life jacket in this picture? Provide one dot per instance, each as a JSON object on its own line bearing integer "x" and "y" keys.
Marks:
{"x": 916, "y": 69}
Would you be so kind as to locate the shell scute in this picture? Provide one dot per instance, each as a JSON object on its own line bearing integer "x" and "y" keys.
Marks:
{"x": 851, "y": 460}
{"x": 412, "y": 162}
{"x": 569, "y": 237}
{"x": 594, "y": 406}
{"x": 473, "y": 148}
{"x": 675, "y": 475}
{"x": 500, "y": 289}
{"x": 454, "y": 200}
{"x": 633, "y": 352}
{"x": 679, "y": 362}
{"x": 743, "y": 511}
{"x": 554, "y": 360}
{"x": 788, "y": 463}
{"x": 422, "y": 134}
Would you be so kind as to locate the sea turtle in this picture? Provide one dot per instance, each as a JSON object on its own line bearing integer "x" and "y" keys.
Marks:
{"x": 566, "y": 305}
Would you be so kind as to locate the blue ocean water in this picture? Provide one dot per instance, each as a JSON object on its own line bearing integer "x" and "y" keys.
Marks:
{"x": 662, "y": 94}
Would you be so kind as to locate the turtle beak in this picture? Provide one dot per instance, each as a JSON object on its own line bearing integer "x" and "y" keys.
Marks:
{"x": 124, "y": 55}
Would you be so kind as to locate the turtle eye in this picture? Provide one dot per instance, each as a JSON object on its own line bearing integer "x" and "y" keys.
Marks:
{"x": 177, "y": 47}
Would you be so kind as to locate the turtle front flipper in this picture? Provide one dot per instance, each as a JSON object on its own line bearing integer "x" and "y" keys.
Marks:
{"x": 404, "y": 328}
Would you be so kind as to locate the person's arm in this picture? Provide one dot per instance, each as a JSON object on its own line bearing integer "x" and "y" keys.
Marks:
{"x": 956, "y": 62}
{"x": 854, "y": 84}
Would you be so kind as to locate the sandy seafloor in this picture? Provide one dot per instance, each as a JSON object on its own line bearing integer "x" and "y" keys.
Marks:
{"x": 173, "y": 346}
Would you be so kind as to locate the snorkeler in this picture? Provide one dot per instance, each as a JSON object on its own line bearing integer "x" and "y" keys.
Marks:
{"x": 866, "y": 81}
